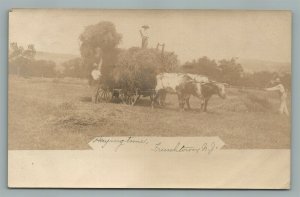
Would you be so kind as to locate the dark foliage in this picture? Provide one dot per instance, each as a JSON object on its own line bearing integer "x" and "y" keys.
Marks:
{"x": 22, "y": 62}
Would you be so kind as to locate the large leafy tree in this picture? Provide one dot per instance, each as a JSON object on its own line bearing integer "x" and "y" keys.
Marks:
{"x": 99, "y": 42}
{"x": 21, "y": 59}
{"x": 203, "y": 66}
{"x": 231, "y": 71}
{"x": 73, "y": 68}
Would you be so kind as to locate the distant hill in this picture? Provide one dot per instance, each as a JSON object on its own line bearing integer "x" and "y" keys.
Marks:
{"x": 252, "y": 65}
{"x": 58, "y": 58}
{"x": 249, "y": 65}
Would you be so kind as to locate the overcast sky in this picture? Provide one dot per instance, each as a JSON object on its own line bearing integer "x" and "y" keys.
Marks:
{"x": 264, "y": 35}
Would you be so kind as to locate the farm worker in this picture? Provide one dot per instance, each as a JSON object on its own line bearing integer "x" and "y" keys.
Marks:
{"x": 96, "y": 72}
{"x": 95, "y": 79}
{"x": 277, "y": 86}
{"x": 144, "y": 36}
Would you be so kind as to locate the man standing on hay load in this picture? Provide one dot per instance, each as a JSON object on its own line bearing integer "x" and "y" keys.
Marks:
{"x": 278, "y": 86}
{"x": 144, "y": 36}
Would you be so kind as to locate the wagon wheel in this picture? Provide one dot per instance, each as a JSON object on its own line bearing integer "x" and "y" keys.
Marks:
{"x": 107, "y": 96}
{"x": 130, "y": 100}
{"x": 104, "y": 95}
{"x": 135, "y": 98}
{"x": 122, "y": 98}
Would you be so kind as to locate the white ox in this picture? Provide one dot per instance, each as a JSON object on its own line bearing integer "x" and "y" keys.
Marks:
{"x": 198, "y": 78}
{"x": 185, "y": 85}
{"x": 170, "y": 81}
{"x": 181, "y": 84}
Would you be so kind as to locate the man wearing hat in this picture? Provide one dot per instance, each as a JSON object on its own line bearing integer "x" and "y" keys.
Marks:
{"x": 277, "y": 86}
{"x": 144, "y": 36}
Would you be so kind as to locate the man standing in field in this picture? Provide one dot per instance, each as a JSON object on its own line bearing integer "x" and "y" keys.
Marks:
{"x": 95, "y": 75}
{"x": 144, "y": 36}
{"x": 277, "y": 86}
{"x": 95, "y": 82}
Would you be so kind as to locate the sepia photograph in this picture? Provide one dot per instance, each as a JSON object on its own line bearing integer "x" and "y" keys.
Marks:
{"x": 130, "y": 79}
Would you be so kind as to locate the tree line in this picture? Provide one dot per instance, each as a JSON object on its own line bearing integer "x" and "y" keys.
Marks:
{"x": 133, "y": 67}
{"x": 231, "y": 72}
{"x": 22, "y": 62}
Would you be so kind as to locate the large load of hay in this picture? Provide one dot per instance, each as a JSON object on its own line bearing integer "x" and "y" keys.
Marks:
{"x": 129, "y": 69}
{"x": 137, "y": 68}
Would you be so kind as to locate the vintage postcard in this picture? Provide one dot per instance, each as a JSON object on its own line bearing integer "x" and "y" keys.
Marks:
{"x": 149, "y": 99}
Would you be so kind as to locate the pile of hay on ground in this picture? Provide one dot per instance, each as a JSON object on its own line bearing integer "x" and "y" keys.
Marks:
{"x": 247, "y": 102}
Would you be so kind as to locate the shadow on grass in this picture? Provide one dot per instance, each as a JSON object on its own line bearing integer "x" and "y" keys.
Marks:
{"x": 146, "y": 103}
{"x": 85, "y": 99}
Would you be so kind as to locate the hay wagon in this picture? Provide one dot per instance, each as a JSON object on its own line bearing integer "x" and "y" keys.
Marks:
{"x": 129, "y": 97}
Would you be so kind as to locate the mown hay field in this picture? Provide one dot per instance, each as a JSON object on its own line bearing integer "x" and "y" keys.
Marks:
{"x": 54, "y": 114}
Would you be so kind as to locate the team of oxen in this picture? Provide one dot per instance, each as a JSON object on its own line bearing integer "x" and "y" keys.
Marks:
{"x": 185, "y": 86}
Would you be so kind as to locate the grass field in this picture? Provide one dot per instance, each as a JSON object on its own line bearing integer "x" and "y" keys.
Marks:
{"x": 57, "y": 114}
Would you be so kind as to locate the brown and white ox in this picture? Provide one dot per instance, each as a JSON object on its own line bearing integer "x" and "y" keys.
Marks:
{"x": 209, "y": 89}
{"x": 181, "y": 84}
{"x": 185, "y": 85}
